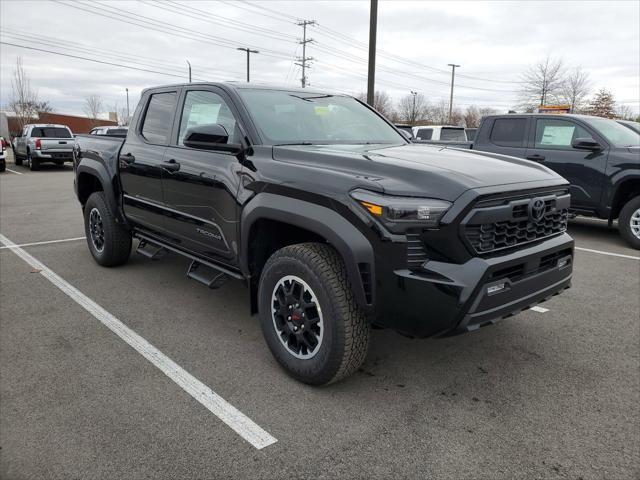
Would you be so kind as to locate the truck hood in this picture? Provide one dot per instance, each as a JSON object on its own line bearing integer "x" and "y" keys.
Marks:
{"x": 420, "y": 170}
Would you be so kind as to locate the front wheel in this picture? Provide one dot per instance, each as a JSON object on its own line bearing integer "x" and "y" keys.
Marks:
{"x": 309, "y": 317}
{"x": 629, "y": 222}
{"x": 34, "y": 163}
{"x": 109, "y": 242}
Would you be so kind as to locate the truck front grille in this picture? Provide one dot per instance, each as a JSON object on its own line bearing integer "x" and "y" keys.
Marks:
{"x": 509, "y": 223}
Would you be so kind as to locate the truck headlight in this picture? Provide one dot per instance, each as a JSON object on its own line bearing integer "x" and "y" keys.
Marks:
{"x": 400, "y": 213}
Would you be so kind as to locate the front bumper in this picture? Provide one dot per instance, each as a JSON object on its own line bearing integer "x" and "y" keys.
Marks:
{"x": 445, "y": 298}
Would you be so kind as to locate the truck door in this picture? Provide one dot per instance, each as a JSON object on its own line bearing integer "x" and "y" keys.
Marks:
{"x": 550, "y": 144}
{"x": 200, "y": 189}
{"x": 141, "y": 160}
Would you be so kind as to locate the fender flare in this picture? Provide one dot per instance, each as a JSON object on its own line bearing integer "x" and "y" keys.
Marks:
{"x": 351, "y": 244}
{"x": 98, "y": 170}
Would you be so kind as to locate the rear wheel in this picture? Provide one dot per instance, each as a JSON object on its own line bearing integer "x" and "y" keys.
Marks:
{"x": 109, "y": 242}
{"x": 629, "y": 222}
{"x": 17, "y": 158}
{"x": 34, "y": 163}
{"x": 309, "y": 317}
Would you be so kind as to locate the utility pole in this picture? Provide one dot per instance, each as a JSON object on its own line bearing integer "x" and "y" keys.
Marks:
{"x": 249, "y": 52}
{"x": 453, "y": 74}
{"x": 413, "y": 108}
{"x": 189, "y": 70}
{"x": 371, "y": 78}
{"x": 127, "y": 105}
{"x": 304, "y": 61}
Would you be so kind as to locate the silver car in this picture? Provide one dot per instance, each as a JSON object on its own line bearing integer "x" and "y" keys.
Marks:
{"x": 41, "y": 142}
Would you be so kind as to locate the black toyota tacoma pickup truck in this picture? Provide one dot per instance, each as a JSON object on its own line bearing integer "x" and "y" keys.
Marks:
{"x": 599, "y": 157}
{"x": 330, "y": 216}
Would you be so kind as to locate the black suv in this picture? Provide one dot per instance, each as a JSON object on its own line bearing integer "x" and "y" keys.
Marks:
{"x": 330, "y": 216}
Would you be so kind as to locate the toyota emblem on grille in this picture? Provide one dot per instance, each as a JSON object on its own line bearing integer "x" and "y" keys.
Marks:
{"x": 536, "y": 209}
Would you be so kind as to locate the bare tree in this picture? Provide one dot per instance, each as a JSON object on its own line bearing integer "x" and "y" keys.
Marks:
{"x": 93, "y": 106}
{"x": 575, "y": 89}
{"x": 381, "y": 102}
{"x": 24, "y": 102}
{"x": 412, "y": 108}
{"x": 439, "y": 113}
{"x": 484, "y": 111}
{"x": 624, "y": 112}
{"x": 542, "y": 82}
{"x": 472, "y": 117}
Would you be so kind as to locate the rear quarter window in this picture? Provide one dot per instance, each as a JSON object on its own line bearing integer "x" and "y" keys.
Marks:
{"x": 508, "y": 132}
{"x": 424, "y": 134}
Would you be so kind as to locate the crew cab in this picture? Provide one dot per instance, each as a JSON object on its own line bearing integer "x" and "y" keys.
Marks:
{"x": 39, "y": 143}
{"x": 599, "y": 157}
{"x": 333, "y": 219}
{"x": 444, "y": 133}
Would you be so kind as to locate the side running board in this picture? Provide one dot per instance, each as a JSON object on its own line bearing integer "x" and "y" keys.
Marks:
{"x": 151, "y": 251}
{"x": 208, "y": 276}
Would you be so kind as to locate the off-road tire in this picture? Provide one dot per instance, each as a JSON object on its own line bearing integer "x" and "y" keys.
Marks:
{"x": 346, "y": 330}
{"x": 624, "y": 222}
{"x": 117, "y": 239}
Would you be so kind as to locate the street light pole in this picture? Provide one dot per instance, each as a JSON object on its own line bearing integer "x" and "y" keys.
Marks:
{"x": 249, "y": 52}
{"x": 127, "y": 105}
{"x": 453, "y": 74}
{"x": 189, "y": 63}
{"x": 413, "y": 108}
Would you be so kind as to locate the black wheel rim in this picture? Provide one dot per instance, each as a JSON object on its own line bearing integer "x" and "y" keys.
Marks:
{"x": 297, "y": 317}
{"x": 96, "y": 229}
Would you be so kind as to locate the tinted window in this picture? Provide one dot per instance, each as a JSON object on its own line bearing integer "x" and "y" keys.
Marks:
{"x": 558, "y": 134}
{"x": 471, "y": 133}
{"x": 117, "y": 132}
{"x": 424, "y": 134}
{"x": 206, "y": 108}
{"x": 157, "y": 121}
{"x": 50, "y": 132}
{"x": 508, "y": 132}
{"x": 615, "y": 133}
{"x": 453, "y": 134}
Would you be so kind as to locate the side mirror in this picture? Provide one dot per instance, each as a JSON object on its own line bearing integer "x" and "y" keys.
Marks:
{"x": 210, "y": 137}
{"x": 586, "y": 144}
{"x": 406, "y": 134}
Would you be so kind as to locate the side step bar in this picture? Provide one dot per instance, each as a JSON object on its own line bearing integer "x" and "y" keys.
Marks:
{"x": 208, "y": 273}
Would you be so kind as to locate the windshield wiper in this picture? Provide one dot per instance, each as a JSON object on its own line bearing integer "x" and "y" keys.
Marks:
{"x": 308, "y": 99}
{"x": 293, "y": 143}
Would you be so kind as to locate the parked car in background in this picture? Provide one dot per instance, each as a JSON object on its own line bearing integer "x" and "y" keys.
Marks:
{"x": 598, "y": 156}
{"x": 40, "y": 143}
{"x": 635, "y": 126}
{"x": 3, "y": 154}
{"x": 113, "y": 131}
{"x": 447, "y": 133}
{"x": 471, "y": 133}
{"x": 328, "y": 214}
{"x": 407, "y": 129}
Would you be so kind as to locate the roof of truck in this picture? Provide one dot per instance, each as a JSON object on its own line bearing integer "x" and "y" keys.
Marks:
{"x": 245, "y": 85}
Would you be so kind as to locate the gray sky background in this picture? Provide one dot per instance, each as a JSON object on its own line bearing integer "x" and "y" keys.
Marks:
{"x": 493, "y": 41}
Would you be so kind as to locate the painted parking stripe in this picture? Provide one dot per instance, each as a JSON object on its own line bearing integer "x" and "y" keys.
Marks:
{"x": 607, "y": 253}
{"x": 44, "y": 243}
{"x": 13, "y": 171}
{"x": 234, "y": 418}
{"x": 539, "y": 309}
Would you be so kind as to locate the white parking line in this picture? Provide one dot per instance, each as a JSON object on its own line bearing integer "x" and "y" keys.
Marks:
{"x": 607, "y": 253}
{"x": 44, "y": 243}
{"x": 539, "y": 309}
{"x": 234, "y": 418}
{"x": 13, "y": 171}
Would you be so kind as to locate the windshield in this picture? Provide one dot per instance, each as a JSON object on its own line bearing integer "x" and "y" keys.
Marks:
{"x": 50, "y": 132}
{"x": 618, "y": 135}
{"x": 453, "y": 134}
{"x": 310, "y": 118}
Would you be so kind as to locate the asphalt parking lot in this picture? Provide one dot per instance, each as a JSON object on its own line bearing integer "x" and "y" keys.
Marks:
{"x": 546, "y": 394}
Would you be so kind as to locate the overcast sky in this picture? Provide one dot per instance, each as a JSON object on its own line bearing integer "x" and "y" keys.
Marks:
{"x": 494, "y": 42}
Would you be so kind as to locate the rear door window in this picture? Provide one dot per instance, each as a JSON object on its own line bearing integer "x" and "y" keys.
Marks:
{"x": 453, "y": 134}
{"x": 157, "y": 121}
{"x": 425, "y": 134}
{"x": 508, "y": 132}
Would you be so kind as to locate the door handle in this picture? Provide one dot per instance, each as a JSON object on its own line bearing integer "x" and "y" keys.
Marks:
{"x": 171, "y": 166}
{"x": 536, "y": 158}
{"x": 127, "y": 158}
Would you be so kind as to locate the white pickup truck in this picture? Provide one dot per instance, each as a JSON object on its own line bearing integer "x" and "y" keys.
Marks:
{"x": 446, "y": 133}
{"x": 40, "y": 143}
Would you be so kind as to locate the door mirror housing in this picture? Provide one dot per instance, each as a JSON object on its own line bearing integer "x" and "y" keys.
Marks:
{"x": 586, "y": 144}
{"x": 210, "y": 137}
